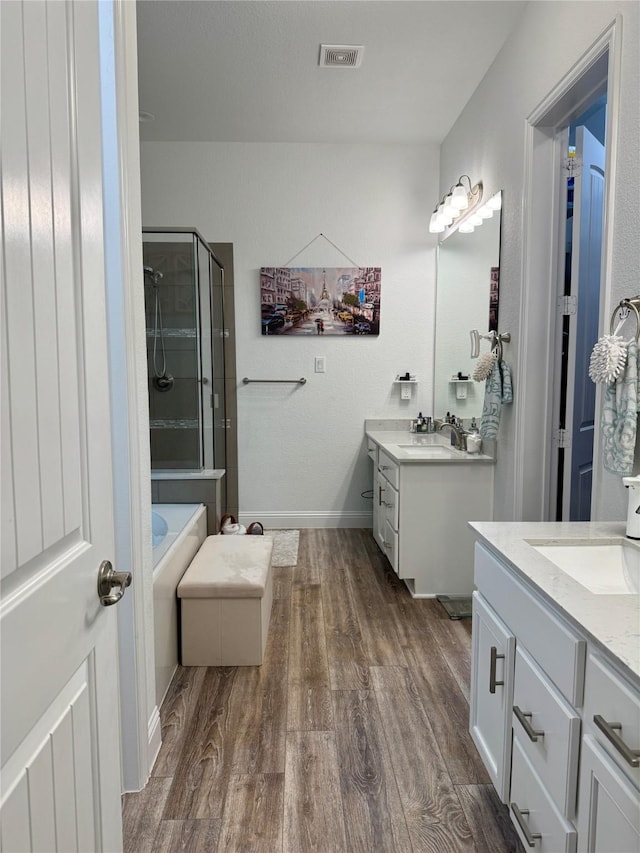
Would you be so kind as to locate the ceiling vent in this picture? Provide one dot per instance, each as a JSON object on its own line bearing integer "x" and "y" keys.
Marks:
{"x": 341, "y": 55}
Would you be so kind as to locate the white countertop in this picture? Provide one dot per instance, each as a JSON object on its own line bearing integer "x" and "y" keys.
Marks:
{"x": 612, "y": 621}
{"x": 405, "y": 446}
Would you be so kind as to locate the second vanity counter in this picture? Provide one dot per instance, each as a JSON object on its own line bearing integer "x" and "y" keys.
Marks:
{"x": 424, "y": 493}
{"x": 404, "y": 446}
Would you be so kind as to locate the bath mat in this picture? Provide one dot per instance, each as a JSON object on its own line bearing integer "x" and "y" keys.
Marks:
{"x": 285, "y": 547}
{"x": 458, "y": 607}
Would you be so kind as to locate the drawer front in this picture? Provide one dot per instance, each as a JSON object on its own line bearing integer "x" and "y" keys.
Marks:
{"x": 390, "y": 545}
{"x": 533, "y": 812}
{"x": 391, "y": 502}
{"x": 556, "y": 648}
{"x": 548, "y": 730}
{"x": 613, "y": 699}
{"x": 389, "y": 468}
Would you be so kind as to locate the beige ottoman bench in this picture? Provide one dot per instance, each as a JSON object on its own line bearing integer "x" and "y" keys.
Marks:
{"x": 226, "y": 596}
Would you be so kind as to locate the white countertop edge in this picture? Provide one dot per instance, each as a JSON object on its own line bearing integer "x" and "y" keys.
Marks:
{"x": 610, "y": 621}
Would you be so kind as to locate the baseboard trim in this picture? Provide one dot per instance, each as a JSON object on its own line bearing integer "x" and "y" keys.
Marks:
{"x": 155, "y": 736}
{"x": 295, "y": 520}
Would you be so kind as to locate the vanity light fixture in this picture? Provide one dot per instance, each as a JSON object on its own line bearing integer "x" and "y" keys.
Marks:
{"x": 457, "y": 200}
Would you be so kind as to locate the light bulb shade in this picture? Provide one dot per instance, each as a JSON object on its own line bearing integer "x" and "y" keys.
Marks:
{"x": 459, "y": 197}
{"x": 466, "y": 227}
{"x": 485, "y": 212}
{"x": 435, "y": 225}
{"x": 444, "y": 217}
{"x": 475, "y": 219}
{"x": 450, "y": 207}
{"x": 495, "y": 202}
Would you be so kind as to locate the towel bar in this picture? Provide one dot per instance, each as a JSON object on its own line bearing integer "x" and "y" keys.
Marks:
{"x": 300, "y": 381}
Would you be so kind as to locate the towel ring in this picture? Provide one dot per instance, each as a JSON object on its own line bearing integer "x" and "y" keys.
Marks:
{"x": 623, "y": 306}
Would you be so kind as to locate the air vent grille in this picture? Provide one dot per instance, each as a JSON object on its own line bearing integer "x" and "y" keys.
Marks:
{"x": 341, "y": 55}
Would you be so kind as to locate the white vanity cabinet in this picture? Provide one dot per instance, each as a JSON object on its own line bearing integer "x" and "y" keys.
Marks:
{"x": 561, "y": 741}
{"x": 420, "y": 514}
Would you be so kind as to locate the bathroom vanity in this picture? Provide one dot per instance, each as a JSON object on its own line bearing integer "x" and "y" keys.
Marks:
{"x": 555, "y": 686}
{"x": 424, "y": 493}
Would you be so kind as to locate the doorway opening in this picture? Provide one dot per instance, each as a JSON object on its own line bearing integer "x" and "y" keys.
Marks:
{"x": 596, "y": 74}
{"x": 583, "y": 176}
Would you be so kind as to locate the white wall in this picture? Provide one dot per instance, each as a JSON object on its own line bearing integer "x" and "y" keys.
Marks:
{"x": 487, "y": 142}
{"x": 301, "y": 457}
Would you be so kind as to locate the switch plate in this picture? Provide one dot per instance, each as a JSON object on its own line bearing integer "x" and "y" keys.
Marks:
{"x": 405, "y": 391}
{"x": 320, "y": 364}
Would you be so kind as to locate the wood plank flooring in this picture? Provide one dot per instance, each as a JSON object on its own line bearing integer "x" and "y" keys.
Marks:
{"x": 350, "y": 738}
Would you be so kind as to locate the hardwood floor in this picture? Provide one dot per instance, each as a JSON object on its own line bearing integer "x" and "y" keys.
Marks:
{"x": 350, "y": 738}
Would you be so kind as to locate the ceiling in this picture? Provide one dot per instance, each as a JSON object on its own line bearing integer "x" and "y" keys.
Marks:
{"x": 247, "y": 70}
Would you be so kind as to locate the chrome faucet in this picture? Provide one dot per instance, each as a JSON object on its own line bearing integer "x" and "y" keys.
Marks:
{"x": 458, "y": 436}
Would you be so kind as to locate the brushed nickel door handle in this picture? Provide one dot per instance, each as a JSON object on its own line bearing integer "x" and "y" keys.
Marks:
{"x": 519, "y": 816}
{"x": 107, "y": 579}
{"x": 492, "y": 670}
{"x": 521, "y": 716}
{"x": 631, "y": 756}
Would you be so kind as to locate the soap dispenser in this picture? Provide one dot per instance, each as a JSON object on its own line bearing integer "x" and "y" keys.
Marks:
{"x": 633, "y": 511}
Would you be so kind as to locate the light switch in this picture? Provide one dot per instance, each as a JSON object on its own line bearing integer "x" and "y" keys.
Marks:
{"x": 320, "y": 364}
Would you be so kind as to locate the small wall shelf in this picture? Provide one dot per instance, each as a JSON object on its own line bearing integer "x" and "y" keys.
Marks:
{"x": 406, "y": 387}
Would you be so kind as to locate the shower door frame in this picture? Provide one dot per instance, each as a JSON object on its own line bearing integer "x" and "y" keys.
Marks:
{"x": 204, "y": 306}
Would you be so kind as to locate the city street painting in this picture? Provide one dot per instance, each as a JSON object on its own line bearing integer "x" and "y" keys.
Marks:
{"x": 320, "y": 300}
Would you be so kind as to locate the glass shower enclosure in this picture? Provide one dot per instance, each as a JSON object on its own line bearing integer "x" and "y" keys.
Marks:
{"x": 184, "y": 306}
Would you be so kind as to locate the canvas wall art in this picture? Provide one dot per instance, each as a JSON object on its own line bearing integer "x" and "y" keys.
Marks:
{"x": 320, "y": 300}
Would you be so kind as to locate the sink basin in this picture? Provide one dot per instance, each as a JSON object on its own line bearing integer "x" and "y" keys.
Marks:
{"x": 611, "y": 567}
{"x": 428, "y": 451}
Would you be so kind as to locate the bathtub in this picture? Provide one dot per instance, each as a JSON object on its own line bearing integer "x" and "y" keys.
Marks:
{"x": 178, "y": 530}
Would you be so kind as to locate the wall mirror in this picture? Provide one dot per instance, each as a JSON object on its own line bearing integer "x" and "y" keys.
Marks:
{"x": 467, "y": 294}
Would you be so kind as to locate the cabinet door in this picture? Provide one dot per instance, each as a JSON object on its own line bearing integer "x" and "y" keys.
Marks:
{"x": 609, "y": 805}
{"x": 492, "y": 674}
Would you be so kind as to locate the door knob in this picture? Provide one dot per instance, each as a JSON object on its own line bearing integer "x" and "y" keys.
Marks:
{"x": 107, "y": 579}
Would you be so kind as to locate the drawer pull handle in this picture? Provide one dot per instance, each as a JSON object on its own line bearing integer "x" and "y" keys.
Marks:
{"x": 492, "y": 670}
{"x": 631, "y": 756}
{"x": 519, "y": 816}
{"x": 532, "y": 734}
{"x": 385, "y": 467}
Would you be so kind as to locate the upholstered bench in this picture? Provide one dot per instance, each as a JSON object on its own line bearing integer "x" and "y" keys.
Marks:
{"x": 226, "y": 596}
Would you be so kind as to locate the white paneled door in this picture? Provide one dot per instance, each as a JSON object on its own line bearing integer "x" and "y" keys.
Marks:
{"x": 60, "y": 776}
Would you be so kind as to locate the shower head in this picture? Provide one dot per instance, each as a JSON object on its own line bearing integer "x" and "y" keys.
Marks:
{"x": 155, "y": 275}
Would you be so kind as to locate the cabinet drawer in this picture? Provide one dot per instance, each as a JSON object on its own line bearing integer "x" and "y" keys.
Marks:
{"x": 538, "y": 815}
{"x": 390, "y": 545}
{"x": 609, "y": 696}
{"x": 548, "y": 730}
{"x": 391, "y": 501}
{"x": 389, "y": 468}
{"x": 557, "y": 649}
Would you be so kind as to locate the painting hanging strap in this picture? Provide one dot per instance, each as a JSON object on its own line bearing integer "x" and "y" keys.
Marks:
{"x": 324, "y": 236}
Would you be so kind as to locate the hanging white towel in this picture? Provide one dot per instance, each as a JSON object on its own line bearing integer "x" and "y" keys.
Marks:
{"x": 620, "y": 417}
{"x": 498, "y": 391}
